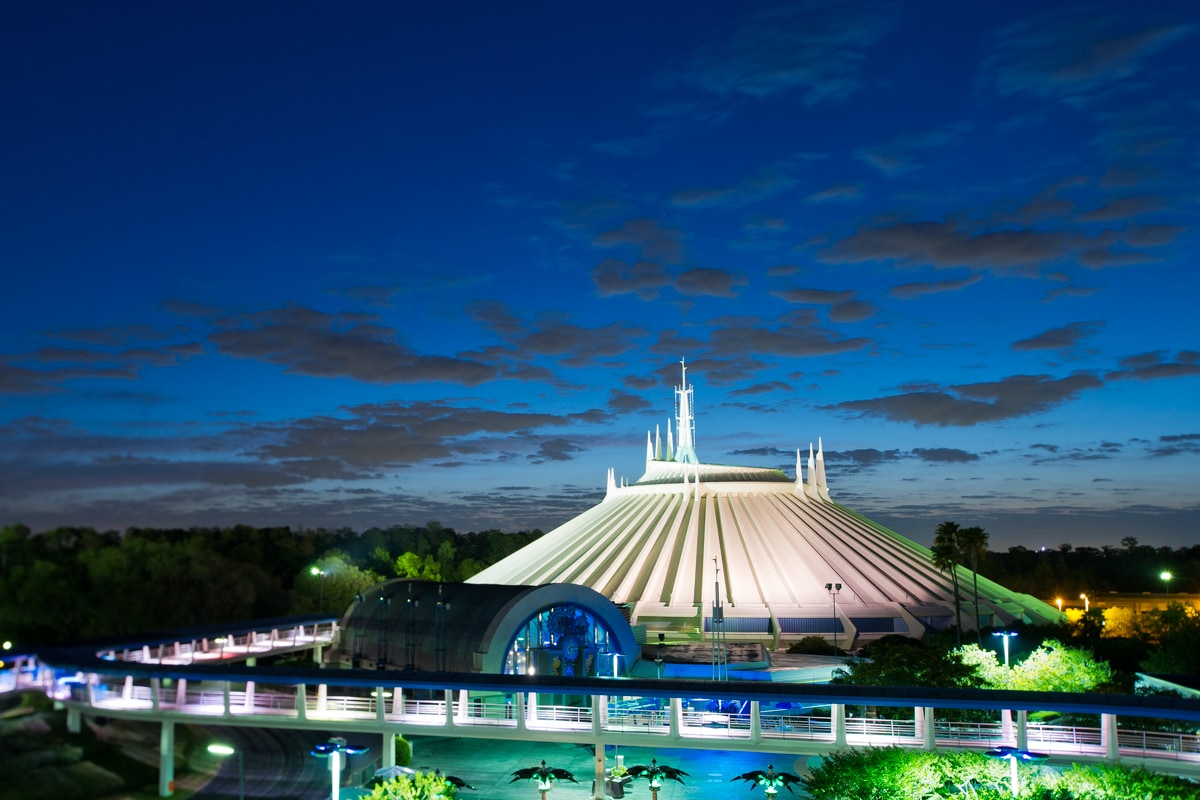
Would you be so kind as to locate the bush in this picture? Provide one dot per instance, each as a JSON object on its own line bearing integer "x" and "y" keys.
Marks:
{"x": 811, "y": 645}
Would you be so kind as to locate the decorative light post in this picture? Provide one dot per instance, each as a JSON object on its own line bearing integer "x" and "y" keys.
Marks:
{"x": 655, "y": 774}
{"x": 1058, "y": 602}
{"x": 545, "y": 776}
{"x": 1014, "y": 755}
{"x": 1166, "y": 576}
{"x": 315, "y": 571}
{"x": 1087, "y": 604}
{"x": 333, "y": 750}
{"x": 833, "y": 589}
{"x": 224, "y": 750}
{"x": 1006, "y": 635}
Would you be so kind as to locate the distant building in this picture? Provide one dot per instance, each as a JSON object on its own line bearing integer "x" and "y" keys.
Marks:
{"x": 772, "y": 554}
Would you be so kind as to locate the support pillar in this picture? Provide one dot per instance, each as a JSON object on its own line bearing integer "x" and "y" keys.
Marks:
{"x": 598, "y": 775}
{"x": 166, "y": 760}
{"x": 1022, "y": 729}
{"x": 519, "y": 709}
{"x": 463, "y": 711}
{"x": 248, "y": 699}
{"x": 301, "y": 701}
{"x": 322, "y": 696}
{"x": 380, "y": 705}
{"x": 531, "y": 709}
{"x": 598, "y": 704}
{"x": 181, "y": 692}
{"x": 448, "y": 696}
{"x": 389, "y": 749}
{"x": 155, "y": 689}
{"x": 1006, "y": 727}
{"x": 1108, "y": 737}
{"x": 127, "y": 689}
{"x": 837, "y": 719}
{"x": 74, "y": 720}
{"x": 225, "y": 698}
{"x": 397, "y": 700}
{"x": 676, "y": 725}
{"x": 317, "y": 655}
{"x": 755, "y": 722}
{"x": 928, "y": 731}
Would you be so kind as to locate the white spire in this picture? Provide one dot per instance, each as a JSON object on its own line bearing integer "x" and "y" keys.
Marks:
{"x": 649, "y": 448}
{"x": 657, "y": 443}
{"x": 670, "y": 443}
{"x": 820, "y": 463}
{"x": 612, "y": 483}
{"x": 812, "y": 471}
{"x": 799, "y": 474}
{"x": 685, "y": 423}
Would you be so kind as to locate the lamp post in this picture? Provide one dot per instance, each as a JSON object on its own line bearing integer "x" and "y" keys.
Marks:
{"x": 224, "y": 750}
{"x": 333, "y": 750}
{"x": 833, "y": 589}
{"x": 1058, "y": 602}
{"x": 1166, "y": 576}
{"x": 1006, "y": 635}
{"x": 1087, "y": 604}
{"x": 1014, "y": 755}
{"x": 315, "y": 571}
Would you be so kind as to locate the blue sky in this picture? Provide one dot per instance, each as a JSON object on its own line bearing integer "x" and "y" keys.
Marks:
{"x": 351, "y": 265}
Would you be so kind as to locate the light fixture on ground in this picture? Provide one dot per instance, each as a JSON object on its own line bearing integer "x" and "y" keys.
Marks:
{"x": 1006, "y": 635}
{"x": 833, "y": 589}
{"x": 333, "y": 750}
{"x": 1014, "y": 755}
{"x": 1165, "y": 577}
{"x": 224, "y": 750}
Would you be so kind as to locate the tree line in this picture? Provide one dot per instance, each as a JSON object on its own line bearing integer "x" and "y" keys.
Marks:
{"x": 70, "y": 584}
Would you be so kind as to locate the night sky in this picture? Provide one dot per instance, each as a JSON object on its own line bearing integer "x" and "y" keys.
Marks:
{"x": 375, "y": 263}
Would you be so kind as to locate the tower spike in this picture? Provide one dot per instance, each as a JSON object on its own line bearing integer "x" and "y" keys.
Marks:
{"x": 820, "y": 463}
{"x": 649, "y": 448}
{"x": 670, "y": 443}
{"x": 799, "y": 474}
{"x": 812, "y": 471}
{"x": 657, "y": 443}
{"x": 685, "y": 422}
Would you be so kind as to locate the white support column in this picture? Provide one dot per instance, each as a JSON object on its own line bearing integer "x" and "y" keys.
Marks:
{"x": 397, "y": 700}
{"x": 531, "y": 709}
{"x": 389, "y": 749}
{"x": 603, "y": 712}
{"x": 380, "y": 705}
{"x": 145, "y": 654}
{"x": 181, "y": 693}
{"x": 155, "y": 688}
{"x": 317, "y": 656}
{"x": 598, "y": 774}
{"x": 1006, "y": 727}
{"x": 676, "y": 727}
{"x": 463, "y": 711}
{"x": 519, "y": 709}
{"x": 1108, "y": 737}
{"x": 248, "y": 700}
{"x": 755, "y": 723}
{"x": 74, "y": 719}
{"x": 301, "y": 701}
{"x": 127, "y": 689}
{"x": 448, "y": 699}
{"x": 929, "y": 731}
{"x": 597, "y": 709}
{"x": 837, "y": 719}
{"x": 322, "y": 696}
{"x": 1022, "y": 729}
{"x": 225, "y": 692}
{"x": 166, "y": 760}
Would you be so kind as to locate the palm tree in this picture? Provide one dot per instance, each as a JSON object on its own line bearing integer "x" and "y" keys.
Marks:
{"x": 973, "y": 544}
{"x": 946, "y": 551}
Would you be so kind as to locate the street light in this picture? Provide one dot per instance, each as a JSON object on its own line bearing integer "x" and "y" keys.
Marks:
{"x": 1166, "y": 579}
{"x": 224, "y": 750}
{"x": 315, "y": 571}
{"x": 1006, "y": 636}
{"x": 333, "y": 750}
{"x": 833, "y": 589}
{"x": 1058, "y": 602}
{"x": 1087, "y": 604}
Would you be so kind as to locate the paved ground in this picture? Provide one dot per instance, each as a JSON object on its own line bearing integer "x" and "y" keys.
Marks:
{"x": 488, "y": 766}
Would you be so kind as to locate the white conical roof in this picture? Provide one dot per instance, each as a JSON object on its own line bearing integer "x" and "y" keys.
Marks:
{"x": 656, "y": 547}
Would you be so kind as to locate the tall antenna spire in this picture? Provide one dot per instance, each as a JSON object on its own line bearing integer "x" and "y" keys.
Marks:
{"x": 685, "y": 423}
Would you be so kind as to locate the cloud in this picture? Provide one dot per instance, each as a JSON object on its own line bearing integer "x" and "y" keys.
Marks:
{"x": 843, "y": 306}
{"x": 796, "y": 337}
{"x": 761, "y": 388}
{"x": 653, "y": 242}
{"x": 944, "y": 245}
{"x": 557, "y": 449}
{"x": 1176, "y": 444}
{"x": 1123, "y": 208}
{"x": 646, "y": 279}
{"x": 841, "y": 193}
{"x": 769, "y": 182}
{"x": 708, "y": 282}
{"x": 973, "y": 404}
{"x": 1155, "y": 365}
{"x": 625, "y": 403}
{"x": 901, "y": 154}
{"x": 1063, "y": 338}
{"x": 907, "y": 291}
{"x": 310, "y": 342}
{"x": 816, "y": 47}
{"x": 1152, "y": 235}
{"x": 944, "y": 455}
{"x": 1069, "y": 54}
